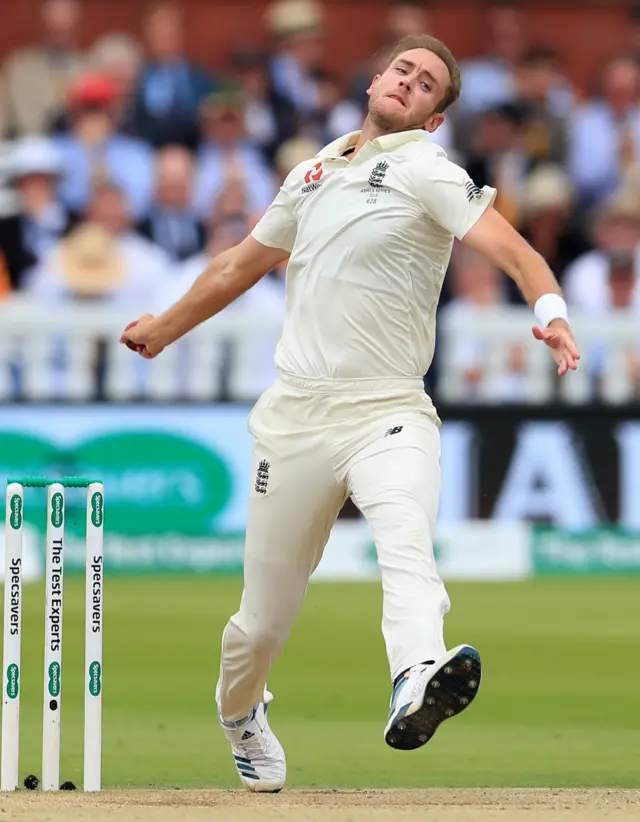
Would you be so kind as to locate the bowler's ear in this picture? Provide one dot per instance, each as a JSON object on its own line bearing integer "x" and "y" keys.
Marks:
{"x": 434, "y": 122}
{"x": 374, "y": 82}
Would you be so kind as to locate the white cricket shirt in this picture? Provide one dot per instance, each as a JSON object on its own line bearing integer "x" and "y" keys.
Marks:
{"x": 369, "y": 241}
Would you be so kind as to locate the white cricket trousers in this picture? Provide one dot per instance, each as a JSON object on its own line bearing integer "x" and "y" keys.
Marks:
{"x": 316, "y": 444}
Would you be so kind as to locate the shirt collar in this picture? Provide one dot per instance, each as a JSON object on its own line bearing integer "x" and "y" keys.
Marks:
{"x": 335, "y": 149}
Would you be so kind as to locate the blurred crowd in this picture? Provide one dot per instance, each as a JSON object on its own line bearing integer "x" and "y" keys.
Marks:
{"x": 125, "y": 167}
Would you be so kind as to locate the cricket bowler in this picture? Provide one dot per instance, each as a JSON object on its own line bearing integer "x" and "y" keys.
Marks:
{"x": 367, "y": 227}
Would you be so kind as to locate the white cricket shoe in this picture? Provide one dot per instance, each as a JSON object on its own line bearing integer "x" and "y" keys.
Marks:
{"x": 258, "y": 755}
{"x": 430, "y": 693}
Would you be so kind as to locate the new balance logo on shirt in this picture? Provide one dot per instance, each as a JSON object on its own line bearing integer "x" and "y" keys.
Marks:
{"x": 395, "y": 430}
{"x": 262, "y": 477}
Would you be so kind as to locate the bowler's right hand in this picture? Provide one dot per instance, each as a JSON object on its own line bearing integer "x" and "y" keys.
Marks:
{"x": 141, "y": 336}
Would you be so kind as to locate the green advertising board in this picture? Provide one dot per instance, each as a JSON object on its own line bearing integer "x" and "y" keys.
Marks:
{"x": 605, "y": 550}
{"x": 176, "y": 481}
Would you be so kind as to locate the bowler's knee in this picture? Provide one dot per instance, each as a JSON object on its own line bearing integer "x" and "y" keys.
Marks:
{"x": 256, "y": 638}
{"x": 411, "y": 536}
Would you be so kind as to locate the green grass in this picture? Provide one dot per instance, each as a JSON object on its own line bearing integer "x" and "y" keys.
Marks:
{"x": 558, "y": 705}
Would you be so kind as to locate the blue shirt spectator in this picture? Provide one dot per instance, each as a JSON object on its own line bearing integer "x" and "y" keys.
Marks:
{"x": 297, "y": 29}
{"x": 93, "y": 152}
{"x": 127, "y": 162}
{"x": 490, "y": 80}
{"x": 172, "y": 223}
{"x": 228, "y": 157}
{"x": 170, "y": 88}
{"x": 605, "y": 134}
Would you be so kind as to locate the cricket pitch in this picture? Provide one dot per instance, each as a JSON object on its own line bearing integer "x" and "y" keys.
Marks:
{"x": 437, "y": 805}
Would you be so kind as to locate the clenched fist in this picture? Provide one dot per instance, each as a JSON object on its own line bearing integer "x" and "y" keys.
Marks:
{"x": 140, "y": 336}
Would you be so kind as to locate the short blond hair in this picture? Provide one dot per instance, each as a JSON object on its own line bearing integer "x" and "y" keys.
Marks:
{"x": 426, "y": 41}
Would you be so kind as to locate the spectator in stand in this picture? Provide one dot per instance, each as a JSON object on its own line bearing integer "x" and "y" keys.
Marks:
{"x": 488, "y": 80}
{"x": 231, "y": 206}
{"x": 605, "y": 133}
{"x": 550, "y": 223}
{"x": 35, "y": 170}
{"x": 616, "y": 231}
{"x": 545, "y": 131}
{"x": 498, "y": 158}
{"x": 172, "y": 223}
{"x": 321, "y": 123}
{"x": 116, "y": 57}
{"x": 94, "y": 152}
{"x": 405, "y": 17}
{"x": 623, "y": 287}
{"x": 343, "y": 118}
{"x": 170, "y": 87}
{"x": 624, "y": 292}
{"x": 37, "y": 77}
{"x": 623, "y": 282}
{"x": 102, "y": 258}
{"x": 269, "y": 117}
{"x": 228, "y": 155}
{"x": 119, "y": 57}
{"x": 477, "y": 285}
{"x": 608, "y": 280}
{"x": 491, "y": 79}
{"x": 297, "y": 30}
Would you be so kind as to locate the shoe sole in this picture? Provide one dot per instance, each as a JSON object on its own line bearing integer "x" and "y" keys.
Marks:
{"x": 261, "y": 790}
{"x": 451, "y": 689}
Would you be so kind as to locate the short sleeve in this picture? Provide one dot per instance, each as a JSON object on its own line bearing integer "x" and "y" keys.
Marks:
{"x": 450, "y": 197}
{"x": 278, "y": 226}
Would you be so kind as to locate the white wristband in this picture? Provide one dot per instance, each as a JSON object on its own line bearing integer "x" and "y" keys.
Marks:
{"x": 550, "y": 307}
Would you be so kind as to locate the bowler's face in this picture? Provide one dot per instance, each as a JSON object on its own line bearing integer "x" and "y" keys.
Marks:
{"x": 409, "y": 91}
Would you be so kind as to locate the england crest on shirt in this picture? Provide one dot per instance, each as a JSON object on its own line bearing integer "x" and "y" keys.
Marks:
{"x": 375, "y": 183}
